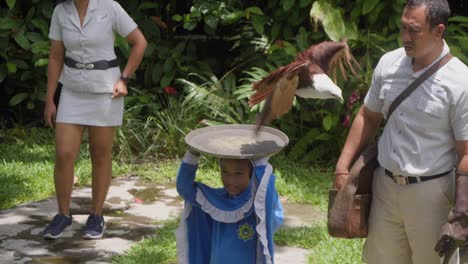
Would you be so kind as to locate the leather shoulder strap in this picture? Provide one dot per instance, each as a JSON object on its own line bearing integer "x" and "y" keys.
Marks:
{"x": 416, "y": 83}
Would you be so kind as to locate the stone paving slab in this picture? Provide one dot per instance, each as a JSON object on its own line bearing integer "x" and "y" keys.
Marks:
{"x": 132, "y": 211}
{"x": 128, "y": 220}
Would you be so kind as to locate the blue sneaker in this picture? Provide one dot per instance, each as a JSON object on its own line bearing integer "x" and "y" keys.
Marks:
{"x": 94, "y": 228}
{"x": 55, "y": 228}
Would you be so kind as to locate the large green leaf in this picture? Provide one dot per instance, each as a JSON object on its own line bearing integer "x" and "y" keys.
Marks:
{"x": 18, "y": 98}
{"x": 9, "y": 23}
{"x": 352, "y": 31}
{"x": 20, "y": 64}
{"x": 11, "y": 3}
{"x": 190, "y": 25}
{"x": 41, "y": 63}
{"x": 211, "y": 21}
{"x": 287, "y": 4}
{"x": 304, "y": 3}
{"x": 34, "y": 36}
{"x": 258, "y": 22}
{"x": 327, "y": 122}
{"x": 22, "y": 41}
{"x": 233, "y": 17}
{"x": 11, "y": 67}
{"x": 150, "y": 49}
{"x": 41, "y": 48}
{"x": 157, "y": 73}
{"x": 177, "y": 18}
{"x": 42, "y": 25}
{"x": 302, "y": 39}
{"x": 331, "y": 19}
{"x": 169, "y": 65}
{"x": 167, "y": 79}
{"x": 254, "y": 10}
{"x": 368, "y": 6}
{"x": 123, "y": 45}
{"x": 460, "y": 19}
{"x": 148, "y": 5}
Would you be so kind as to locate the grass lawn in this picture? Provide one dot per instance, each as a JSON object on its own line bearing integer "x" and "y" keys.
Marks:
{"x": 26, "y": 174}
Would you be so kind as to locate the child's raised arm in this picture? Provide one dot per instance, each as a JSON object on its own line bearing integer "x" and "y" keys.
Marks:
{"x": 186, "y": 176}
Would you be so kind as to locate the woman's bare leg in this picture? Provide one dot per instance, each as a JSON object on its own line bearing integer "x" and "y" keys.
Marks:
{"x": 100, "y": 143}
{"x": 67, "y": 147}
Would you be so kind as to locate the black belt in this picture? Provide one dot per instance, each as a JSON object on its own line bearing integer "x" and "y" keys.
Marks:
{"x": 97, "y": 65}
{"x": 405, "y": 180}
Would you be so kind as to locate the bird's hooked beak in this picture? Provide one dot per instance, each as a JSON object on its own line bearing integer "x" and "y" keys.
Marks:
{"x": 325, "y": 86}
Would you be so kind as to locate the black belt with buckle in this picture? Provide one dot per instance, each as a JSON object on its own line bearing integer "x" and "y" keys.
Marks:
{"x": 405, "y": 180}
{"x": 97, "y": 65}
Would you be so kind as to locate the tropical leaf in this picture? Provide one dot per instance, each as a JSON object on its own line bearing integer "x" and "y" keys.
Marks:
{"x": 258, "y": 22}
{"x": 22, "y": 41}
{"x": 287, "y": 4}
{"x": 11, "y": 3}
{"x": 331, "y": 19}
{"x": 368, "y": 6}
{"x": 18, "y": 98}
{"x": 9, "y": 23}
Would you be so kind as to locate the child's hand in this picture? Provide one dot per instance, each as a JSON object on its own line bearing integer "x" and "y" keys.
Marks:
{"x": 191, "y": 156}
{"x": 260, "y": 161}
{"x": 194, "y": 152}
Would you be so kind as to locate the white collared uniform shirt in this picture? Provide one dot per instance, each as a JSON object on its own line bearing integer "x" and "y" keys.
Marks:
{"x": 93, "y": 41}
{"x": 419, "y": 138}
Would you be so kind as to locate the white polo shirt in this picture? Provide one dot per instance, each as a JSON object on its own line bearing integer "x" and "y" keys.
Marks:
{"x": 419, "y": 138}
{"x": 92, "y": 42}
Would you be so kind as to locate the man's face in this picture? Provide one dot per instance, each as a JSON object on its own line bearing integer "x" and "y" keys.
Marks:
{"x": 419, "y": 39}
{"x": 235, "y": 174}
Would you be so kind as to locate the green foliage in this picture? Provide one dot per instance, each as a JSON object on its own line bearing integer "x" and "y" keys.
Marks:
{"x": 158, "y": 133}
{"x": 160, "y": 248}
{"x": 23, "y": 53}
{"x": 217, "y": 98}
{"x": 27, "y": 164}
{"x": 323, "y": 248}
{"x": 211, "y": 52}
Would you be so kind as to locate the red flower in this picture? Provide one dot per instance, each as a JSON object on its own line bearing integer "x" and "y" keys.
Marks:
{"x": 353, "y": 98}
{"x": 170, "y": 90}
{"x": 346, "y": 121}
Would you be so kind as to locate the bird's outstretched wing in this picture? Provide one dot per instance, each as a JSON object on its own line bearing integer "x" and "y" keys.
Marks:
{"x": 279, "y": 87}
{"x": 267, "y": 85}
{"x": 279, "y": 101}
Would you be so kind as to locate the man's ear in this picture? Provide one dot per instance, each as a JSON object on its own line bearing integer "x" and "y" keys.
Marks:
{"x": 439, "y": 30}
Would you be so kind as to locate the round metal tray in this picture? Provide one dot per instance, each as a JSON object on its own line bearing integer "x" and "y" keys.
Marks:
{"x": 237, "y": 141}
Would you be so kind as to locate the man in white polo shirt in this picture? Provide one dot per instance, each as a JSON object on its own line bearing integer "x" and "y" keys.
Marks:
{"x": 424, "y": 142}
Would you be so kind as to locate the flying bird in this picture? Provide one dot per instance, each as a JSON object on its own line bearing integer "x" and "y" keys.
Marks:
{"x": 307, "y": 76}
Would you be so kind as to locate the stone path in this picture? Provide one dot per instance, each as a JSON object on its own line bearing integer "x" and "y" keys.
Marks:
{"x": 132, "y": 212}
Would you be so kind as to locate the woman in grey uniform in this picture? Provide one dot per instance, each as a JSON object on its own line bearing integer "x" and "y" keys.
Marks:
{"x": 82, "y": 58}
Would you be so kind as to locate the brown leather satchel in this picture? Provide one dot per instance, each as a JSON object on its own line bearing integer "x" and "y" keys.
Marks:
{"x": 349, "y": 208}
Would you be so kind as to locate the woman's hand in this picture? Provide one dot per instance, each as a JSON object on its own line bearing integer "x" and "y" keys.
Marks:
{"x": 50, "y": 111}
{"x": 120, "y": 89}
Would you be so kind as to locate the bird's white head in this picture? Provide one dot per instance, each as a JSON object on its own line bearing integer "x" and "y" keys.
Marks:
{"x": 322, "y": 88}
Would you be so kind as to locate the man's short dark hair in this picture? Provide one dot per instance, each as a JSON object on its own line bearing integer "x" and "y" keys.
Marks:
{"x": 437, "y": 11}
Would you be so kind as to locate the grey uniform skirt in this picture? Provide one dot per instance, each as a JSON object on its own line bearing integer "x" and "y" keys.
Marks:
{"x": 91, "y": 109}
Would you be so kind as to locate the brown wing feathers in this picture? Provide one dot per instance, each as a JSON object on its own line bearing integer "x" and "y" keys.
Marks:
{"x": 281, "y": 97}
{"x": 265, "y": 87}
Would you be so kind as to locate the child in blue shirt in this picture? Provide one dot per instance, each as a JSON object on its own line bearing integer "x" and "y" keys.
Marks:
{"x": 233, "y": 224}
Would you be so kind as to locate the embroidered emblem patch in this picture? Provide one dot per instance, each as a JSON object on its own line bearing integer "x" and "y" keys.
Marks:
{"x": 245, "y": 232}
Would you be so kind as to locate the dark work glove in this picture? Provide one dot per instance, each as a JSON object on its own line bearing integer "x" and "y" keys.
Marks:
{"x": 455, "y": 231}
